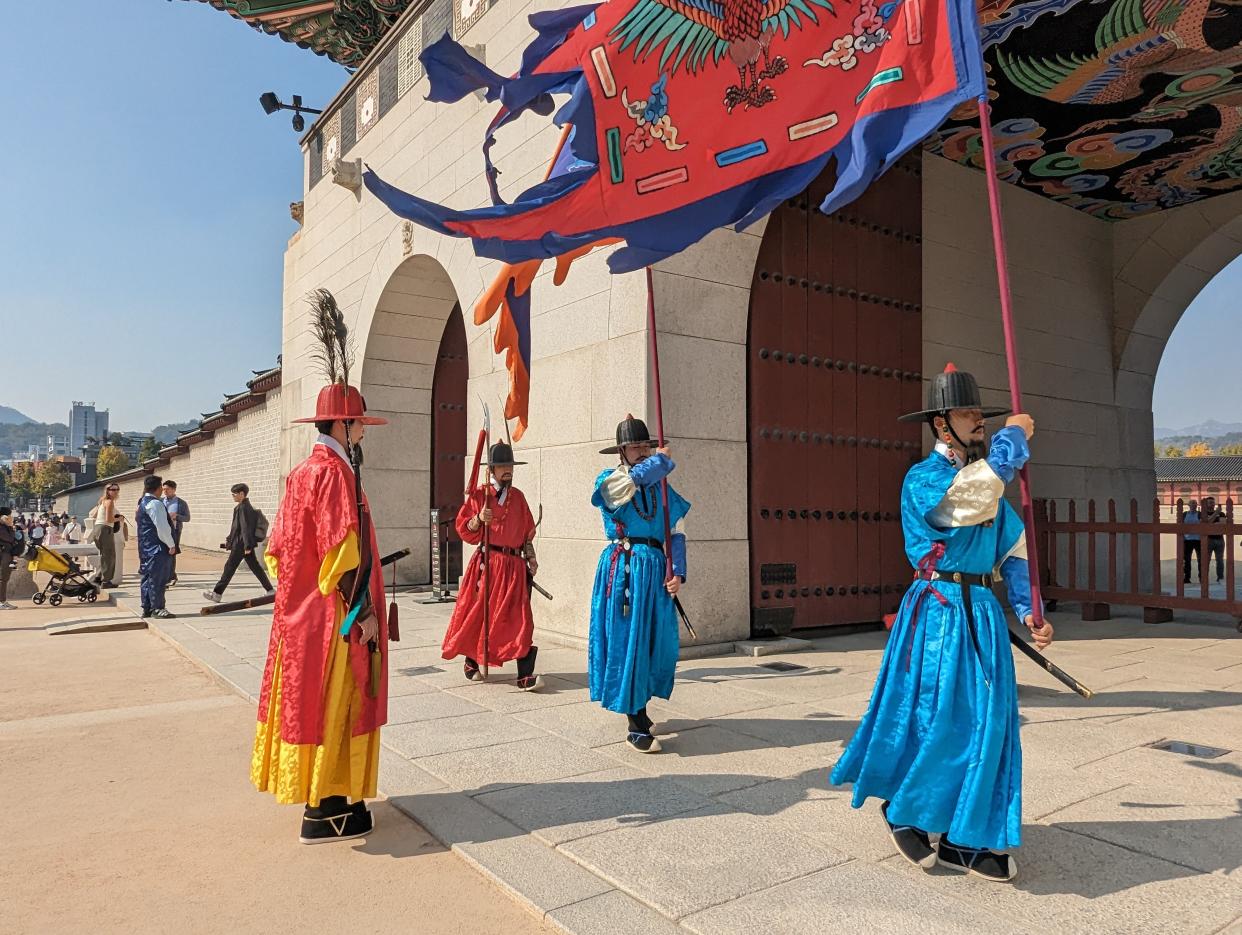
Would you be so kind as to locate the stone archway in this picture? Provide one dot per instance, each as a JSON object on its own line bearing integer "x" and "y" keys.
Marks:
{"x": 398, "y": 369}
{"x": 1160, "y": 263}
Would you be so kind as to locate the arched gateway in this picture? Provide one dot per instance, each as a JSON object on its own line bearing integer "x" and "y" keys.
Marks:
{"x": 833, "y": 358}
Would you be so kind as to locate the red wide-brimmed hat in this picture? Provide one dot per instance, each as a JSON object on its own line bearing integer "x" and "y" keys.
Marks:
{"x": 338, "y": 402}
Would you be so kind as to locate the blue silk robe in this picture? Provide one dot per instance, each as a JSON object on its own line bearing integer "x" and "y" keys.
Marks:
{"x": 939, "y": 740}
{"x": 633, "y": 642}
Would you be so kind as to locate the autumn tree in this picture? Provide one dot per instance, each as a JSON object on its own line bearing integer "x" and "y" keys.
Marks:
{"x": 1199, "y": 450}
{"x": 112, "y": 460}
{"x": 51, "y": 478}
{"x": 21, "y": 480}
{"x": 1173, "y": 451}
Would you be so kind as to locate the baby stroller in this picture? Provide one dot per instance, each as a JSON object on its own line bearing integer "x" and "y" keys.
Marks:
{"x": 67, "y": 579}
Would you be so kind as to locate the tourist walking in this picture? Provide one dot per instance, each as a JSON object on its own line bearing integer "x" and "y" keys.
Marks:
{"x": 73, "y": 531}
{"x": 633, "y": 641}
{"x": 155, "y": 549}
{"x": 498, "y": 509}
{"x": 178, "y": 516}
{"x": 247, "y": 530}
{"x": 10, "y": 552}
{"x": 939, "y": 741}
{"x": 324, "y": 693}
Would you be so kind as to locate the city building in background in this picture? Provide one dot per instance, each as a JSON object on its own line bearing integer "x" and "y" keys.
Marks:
{"x": 85, "y": 421}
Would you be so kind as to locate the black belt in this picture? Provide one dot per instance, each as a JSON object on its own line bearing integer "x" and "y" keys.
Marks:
{"x": 638, "y": 540}
{"x": 507, "y": 550}
{"x": 958, "y": 577}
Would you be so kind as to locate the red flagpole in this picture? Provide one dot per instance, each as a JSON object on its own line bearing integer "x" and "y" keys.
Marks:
{"x": 659, "y": 401}
{"x": 1011, "y": 346}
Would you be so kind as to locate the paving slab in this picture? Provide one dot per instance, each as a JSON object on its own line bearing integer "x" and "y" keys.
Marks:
{"x": 806, "y": 806}
{"x": 853, "y": 898}
{"x": 711, "y": 760}
{"x": 612, "y": 914}
{"x": 1069, "y": 882}
{"x": 505, "y": 696}
{"x": 566, "y": 809}
{"x": 692, "y": 861}
{"x": 399, "y": 777}
{"x": 533, "y": 873}
{"x": 429, "y": 706}
{"x": 518, "y": 762}
{"x": 445, "y": 735}
{"x": 696, "y": 699}
{"x": 584, "y": 723}
{"x": 815, "y": 730}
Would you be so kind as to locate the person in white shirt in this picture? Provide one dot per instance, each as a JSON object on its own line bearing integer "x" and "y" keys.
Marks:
{"x": 155, "y": 549}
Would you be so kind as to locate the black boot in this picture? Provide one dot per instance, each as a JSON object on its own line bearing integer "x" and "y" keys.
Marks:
{"x": 527, "y": 680}
{"x": 640, "y": 737}
{"x": 913, "y": 843}
{"x": 470, "y": 669}
{"x": 999, "y": 868}
{"x": 334, "y": 819}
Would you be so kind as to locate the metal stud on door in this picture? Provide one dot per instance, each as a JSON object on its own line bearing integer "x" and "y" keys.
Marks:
{"x": 834, "y": 350}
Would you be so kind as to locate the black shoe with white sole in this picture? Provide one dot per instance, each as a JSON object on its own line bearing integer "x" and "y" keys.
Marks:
{"x": 643, "y": 743}
{"x": 470, "y": 669}
{"x": 355, "y": 822}
{"x": 999, "y": 868}
{"x": 913, "y": 843}
{"x": 530, "y": 683}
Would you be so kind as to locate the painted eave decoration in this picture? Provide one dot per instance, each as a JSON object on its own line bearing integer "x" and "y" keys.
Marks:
{"x": 343, "y": 30}
{"x": 1114, "y": 107}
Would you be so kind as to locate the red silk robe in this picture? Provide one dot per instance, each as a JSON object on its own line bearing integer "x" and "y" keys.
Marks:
{"x": 318, "y": 511}
{"x": 511, "y": 626}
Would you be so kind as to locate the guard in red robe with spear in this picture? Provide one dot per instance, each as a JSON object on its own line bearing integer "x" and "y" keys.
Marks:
{"x": 492, "y": 622}
{"x": 325, "y": 685}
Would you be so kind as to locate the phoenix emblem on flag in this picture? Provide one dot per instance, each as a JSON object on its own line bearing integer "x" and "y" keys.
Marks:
{"x": 694, "y": 32}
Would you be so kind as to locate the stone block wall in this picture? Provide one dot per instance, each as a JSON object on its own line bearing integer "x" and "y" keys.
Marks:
{"x": 245, "y": 452}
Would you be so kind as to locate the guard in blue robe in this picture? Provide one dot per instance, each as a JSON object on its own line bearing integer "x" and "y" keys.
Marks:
{"x": 939, "y": 742}
{"x": 633, "y": 642}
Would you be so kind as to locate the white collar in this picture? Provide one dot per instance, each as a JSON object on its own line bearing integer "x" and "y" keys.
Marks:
{"x": 946, "y": 450}
{"x": 333, "y": 445}
{"x": 501, "y": 495}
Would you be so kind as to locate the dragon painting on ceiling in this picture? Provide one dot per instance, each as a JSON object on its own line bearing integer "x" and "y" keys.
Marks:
{"x": 1115, "y": 107}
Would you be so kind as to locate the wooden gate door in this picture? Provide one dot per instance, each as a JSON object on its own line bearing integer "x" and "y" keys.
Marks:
{"x": 448, "y": 437}
{"x": 834, "y": 357}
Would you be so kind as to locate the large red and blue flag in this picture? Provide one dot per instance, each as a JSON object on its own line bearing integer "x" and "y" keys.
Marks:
{"x": 687, "y": 115}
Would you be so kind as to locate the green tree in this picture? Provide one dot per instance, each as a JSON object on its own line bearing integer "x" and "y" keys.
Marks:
{"x": 1231, "y": 450}
{"x": 150, "y": 449}
{"x": 51, "y": 478}
{"x": 112, "y": 460}
{"x": 116, "y": 438}
{"x": 1173, "y": 451}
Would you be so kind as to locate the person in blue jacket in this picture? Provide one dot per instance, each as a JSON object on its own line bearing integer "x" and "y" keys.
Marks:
{"x": 939, "y": 742}
{"x": 633, "y": 641}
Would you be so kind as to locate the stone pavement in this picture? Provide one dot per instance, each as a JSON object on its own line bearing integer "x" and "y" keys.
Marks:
{"x": 734, "y": 829}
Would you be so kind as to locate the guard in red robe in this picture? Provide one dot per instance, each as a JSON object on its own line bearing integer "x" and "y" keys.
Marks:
{"x": 325, "y": 686}
{"x": 498, "y": 512}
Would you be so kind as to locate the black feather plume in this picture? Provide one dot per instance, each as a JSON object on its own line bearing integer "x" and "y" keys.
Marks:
{"x": 334, "y": 351}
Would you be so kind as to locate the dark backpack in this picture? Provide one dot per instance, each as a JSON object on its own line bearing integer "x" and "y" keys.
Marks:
{"x": 260, "y": 526}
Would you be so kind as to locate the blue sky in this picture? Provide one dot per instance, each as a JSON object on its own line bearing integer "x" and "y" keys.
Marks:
{"x": 145, "y": 214}
{"x": 145, "y": 204}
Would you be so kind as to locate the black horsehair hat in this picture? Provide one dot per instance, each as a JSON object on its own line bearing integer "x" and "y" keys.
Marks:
{"x": 501, "y": 455}
{"x": 952, "y": 389}
{"x": 630, "y": 431}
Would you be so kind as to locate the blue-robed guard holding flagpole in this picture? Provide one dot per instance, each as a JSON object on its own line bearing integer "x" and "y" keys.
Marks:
{"x": 634, "y": 640}
{"x": 939, "y": 742}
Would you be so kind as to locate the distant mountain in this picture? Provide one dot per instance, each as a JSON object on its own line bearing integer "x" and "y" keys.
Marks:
{"x": 167, "y": 434}
{"x": 17, "y": 439}
{"x": 13, "y": 417}
{"x": 1209, "y": 429}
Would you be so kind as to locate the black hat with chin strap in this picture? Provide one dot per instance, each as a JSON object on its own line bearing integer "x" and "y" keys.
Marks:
{"x": 630, "y": 431}
{"x": 952, "y": 389}
{"x": 501, "y": 455}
